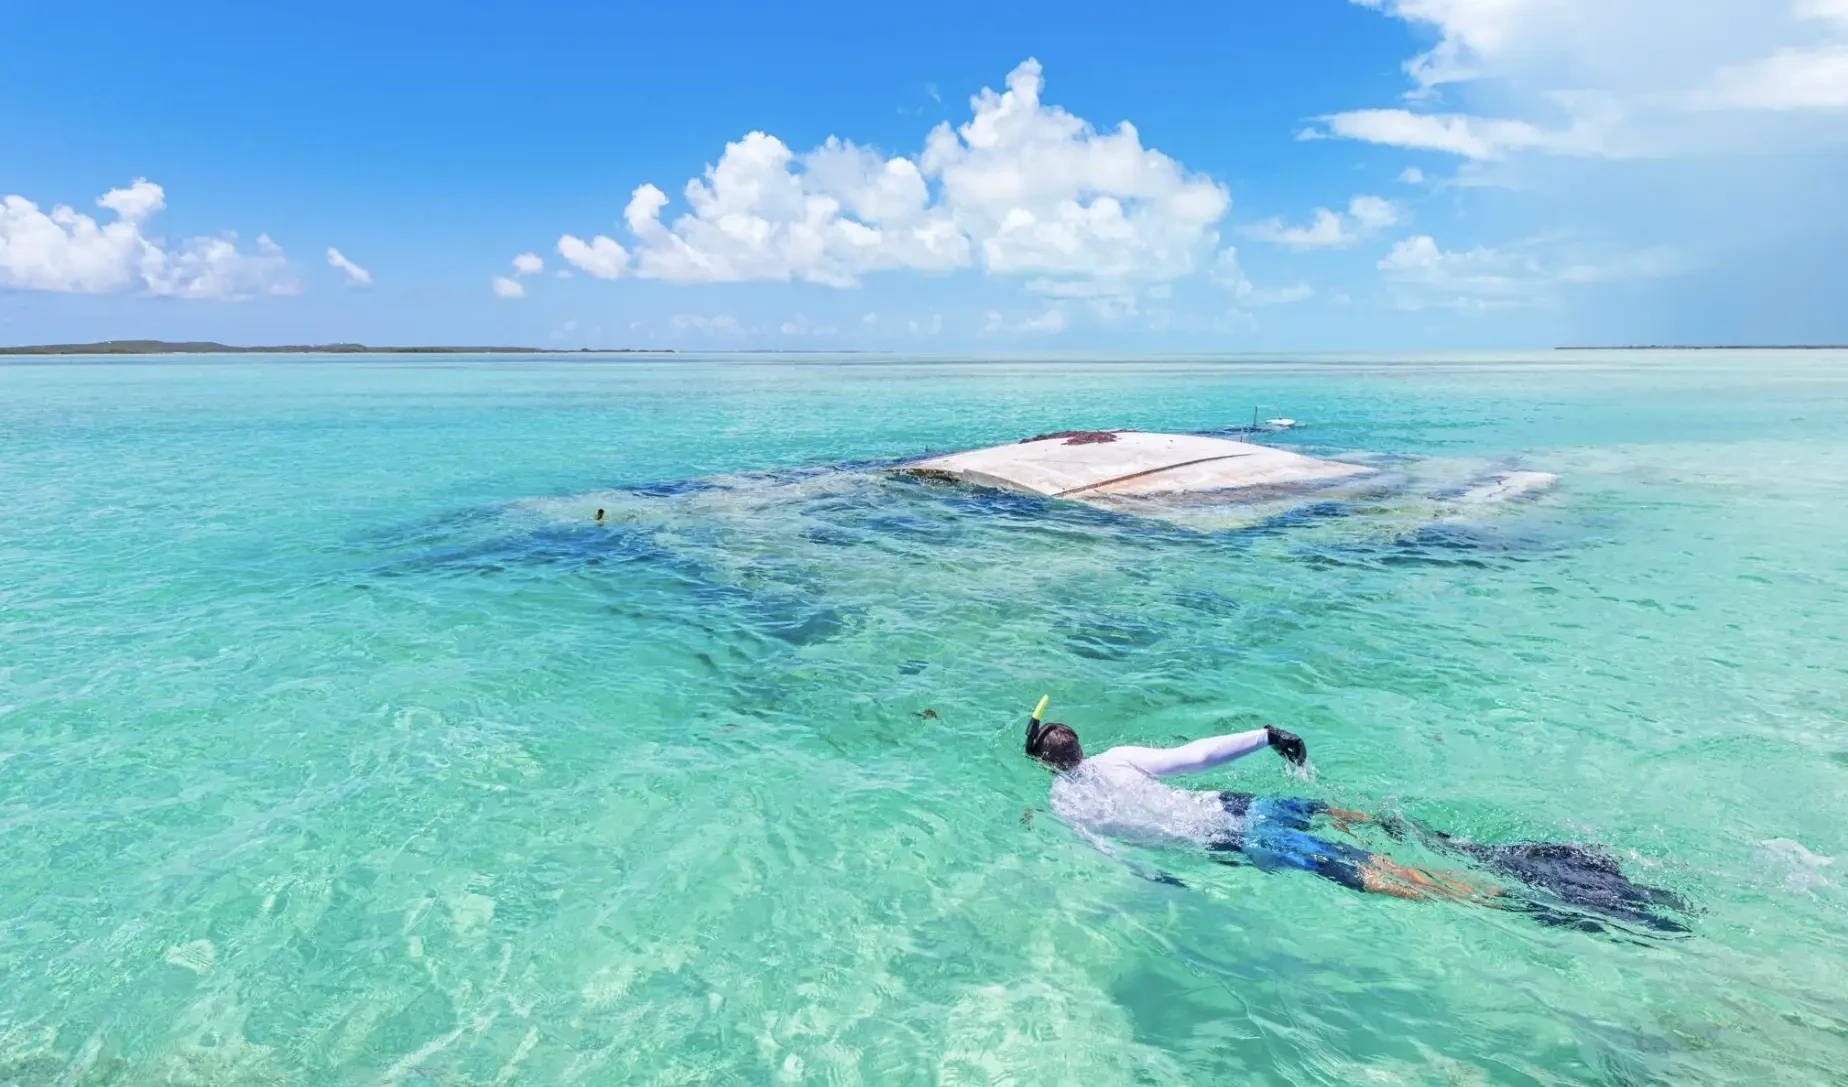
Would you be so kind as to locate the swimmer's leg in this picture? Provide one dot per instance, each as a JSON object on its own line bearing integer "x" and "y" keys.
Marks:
{"x": 1276, "y": 848}
{"x": 1381, "y": 876}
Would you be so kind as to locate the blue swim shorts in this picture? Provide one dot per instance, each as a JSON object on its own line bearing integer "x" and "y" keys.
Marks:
{"x": 1275, "y": 835}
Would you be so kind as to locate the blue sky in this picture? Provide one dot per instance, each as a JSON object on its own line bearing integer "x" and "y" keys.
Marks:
{"x": 1299, "y": 174}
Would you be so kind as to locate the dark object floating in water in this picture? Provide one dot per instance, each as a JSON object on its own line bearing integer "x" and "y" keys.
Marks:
{"x": 928, "y": 715}
{"x": 912, "y": 667}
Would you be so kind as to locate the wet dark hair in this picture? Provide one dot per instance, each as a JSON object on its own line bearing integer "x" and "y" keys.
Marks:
{"x": 1056, "y": 745}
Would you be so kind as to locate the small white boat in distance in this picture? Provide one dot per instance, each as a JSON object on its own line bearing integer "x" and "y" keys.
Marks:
{"x": 1101, "y": 464}
{"x": 1279, "y": 424}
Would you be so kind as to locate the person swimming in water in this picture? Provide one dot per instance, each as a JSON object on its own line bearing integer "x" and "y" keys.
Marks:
{"x": 1119, "y": 794}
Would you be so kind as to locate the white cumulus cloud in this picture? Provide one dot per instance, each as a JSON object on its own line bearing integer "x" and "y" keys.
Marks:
{"x": 528, "y": 264}
{"x": 600, "y": 256}
{"x": 1365, "y": 216}
{"x": 137, "y": 202}
{"x": 1020, "y": 189}
{"x": 355, "y": 275}
{"x": 508, "y": 288}
{"x": 215, "y": 268}
{"x": 66, "y": 250}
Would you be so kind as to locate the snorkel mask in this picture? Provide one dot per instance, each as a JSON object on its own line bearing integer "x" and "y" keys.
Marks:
{"x": 1033, "y": 724}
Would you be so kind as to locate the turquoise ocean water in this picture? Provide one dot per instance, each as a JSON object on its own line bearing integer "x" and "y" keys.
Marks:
{"x": 337, "y": 745}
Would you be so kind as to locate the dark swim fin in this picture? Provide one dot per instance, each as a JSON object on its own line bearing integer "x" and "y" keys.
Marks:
{"x": 1580, "y": 880}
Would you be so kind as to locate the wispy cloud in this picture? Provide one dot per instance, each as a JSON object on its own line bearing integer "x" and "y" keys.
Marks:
{"x": 1423, "y": 274}
{"x": 1590, "y": 78}
{"x": 1366, "y": 216}
{"x": 355, "y": 275}
{"x": 1229, "y": 273}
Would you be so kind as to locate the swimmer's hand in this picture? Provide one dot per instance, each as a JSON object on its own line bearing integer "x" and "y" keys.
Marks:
{"x": 1287, "y": 744}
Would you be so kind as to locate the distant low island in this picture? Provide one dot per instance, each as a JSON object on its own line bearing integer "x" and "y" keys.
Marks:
{"x": 207, "y": 347}
{"x": 1705, "y": 347}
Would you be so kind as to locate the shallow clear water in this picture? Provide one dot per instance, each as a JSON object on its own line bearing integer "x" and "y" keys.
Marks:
{"x": 338, "y": 745}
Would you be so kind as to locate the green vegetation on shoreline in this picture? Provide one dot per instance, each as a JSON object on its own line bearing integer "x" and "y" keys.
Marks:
{"x": 206, "y": 347}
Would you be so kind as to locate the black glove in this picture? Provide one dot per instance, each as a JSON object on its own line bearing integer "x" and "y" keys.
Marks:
{"x": 1288, "y": 744}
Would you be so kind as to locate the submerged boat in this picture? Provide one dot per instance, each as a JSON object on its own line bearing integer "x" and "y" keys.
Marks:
{"x": 1103, "y": 484}
{"x": 1204, "y": 479}
{"x": 1096, "y": 464}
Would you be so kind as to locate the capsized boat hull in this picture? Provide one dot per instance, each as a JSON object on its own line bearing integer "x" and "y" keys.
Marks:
{"x": 1093, "y": 465}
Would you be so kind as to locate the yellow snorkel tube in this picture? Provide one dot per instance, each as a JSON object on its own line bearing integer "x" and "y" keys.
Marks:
{"x": 1033, "y": 723}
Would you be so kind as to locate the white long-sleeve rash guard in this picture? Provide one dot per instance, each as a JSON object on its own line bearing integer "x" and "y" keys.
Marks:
{"x": 1117, "y": 794}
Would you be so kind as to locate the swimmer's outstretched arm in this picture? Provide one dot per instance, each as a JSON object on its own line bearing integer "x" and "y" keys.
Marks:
{"x": 1205, "y": 754}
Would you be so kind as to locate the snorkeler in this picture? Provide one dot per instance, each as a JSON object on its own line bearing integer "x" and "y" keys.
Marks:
{"x": 1118, "y": 794}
